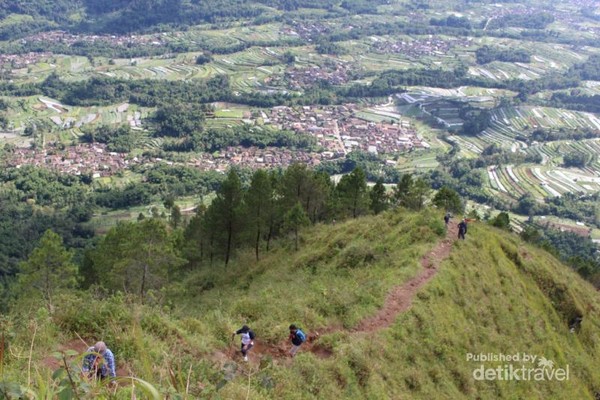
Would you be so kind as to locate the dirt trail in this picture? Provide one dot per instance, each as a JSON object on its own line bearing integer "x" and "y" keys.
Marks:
{"x": 400, "y": 298}
{"x": 398, "y": 301}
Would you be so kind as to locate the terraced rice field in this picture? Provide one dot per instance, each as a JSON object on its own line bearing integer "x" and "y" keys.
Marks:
{"x": 540, "y": 181}
{"x": 417, "y": 162}
{"x": 555, "y": 150}
{"x": 509, "y": 122}
{"x": 548, "y": 179}
{"x": 546, "y": 58}
{"x": 60, "y": 118}
{"x": 247, "y": 69}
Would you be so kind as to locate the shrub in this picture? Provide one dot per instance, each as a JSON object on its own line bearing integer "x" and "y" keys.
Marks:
{"x": 356, "y": 255}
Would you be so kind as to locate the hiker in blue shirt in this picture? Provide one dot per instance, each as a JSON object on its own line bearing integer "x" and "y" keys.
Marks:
{"x": 99, "y": 362}
{"x": 297, "y": 337}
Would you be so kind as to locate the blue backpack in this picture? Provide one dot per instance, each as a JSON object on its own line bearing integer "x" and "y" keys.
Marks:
{"x": 300, "y": 335}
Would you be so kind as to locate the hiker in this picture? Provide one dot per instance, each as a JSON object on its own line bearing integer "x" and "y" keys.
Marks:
{"x": 462, "y": 229}
{"x": 575, "y": 323}
{"x": 447, "y": 218}
{"x": 297, "y": 337}
{"x": 247, "y": 339}
{"x": 99, "y": 362}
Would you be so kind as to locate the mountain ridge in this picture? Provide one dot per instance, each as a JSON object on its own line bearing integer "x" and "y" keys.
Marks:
{"x": 493, "y": 294}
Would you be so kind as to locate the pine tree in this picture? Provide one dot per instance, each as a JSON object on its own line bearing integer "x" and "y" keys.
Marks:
{"x": 418, "y": 194}
{"x": 176, "y": 216}
{"x": 320, "y": 190}
{"x": 353, "y": 195}
{"x": 227, "y": 210}
{"x": 299, "y": 184}
{"x": 136, "y": 256}
{"x": 448, "y": 200}
{"x": 259, "y": 204}
{"x": 293, "y": 186}
{"x": 402, "y": 190}
{"x": 274, "y": 217}
{"x": 379, "y": 199}
{"x": 48, "y": 268}
{"x": 195, "y": 237}
{"x": 294, "y": 219}
{"x": 411, "y": 193}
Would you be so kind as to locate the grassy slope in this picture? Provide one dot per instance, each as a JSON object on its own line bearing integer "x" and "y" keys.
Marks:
{"x": 493, "y": 295}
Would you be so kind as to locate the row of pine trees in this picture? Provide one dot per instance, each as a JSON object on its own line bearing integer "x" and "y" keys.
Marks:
{"x": 278, "y": 203}
{"x": 143, "y": 255}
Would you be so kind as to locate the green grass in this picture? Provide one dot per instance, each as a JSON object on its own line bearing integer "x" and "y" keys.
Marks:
{"x": 491, "y": 287}
{"x": 494, "y": 294}
{"x": 227, "y": 113}
{"x": 15, "y": 19}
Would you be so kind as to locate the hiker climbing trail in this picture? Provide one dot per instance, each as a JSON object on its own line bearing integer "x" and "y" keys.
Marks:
{"x": 397, "y": 301}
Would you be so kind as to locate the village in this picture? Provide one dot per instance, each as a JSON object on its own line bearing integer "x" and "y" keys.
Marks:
{"x": 305, "y": 30}
{"x": 336, "y": 128}
{"x": 80, "y": 159}
{"x": 430, "y": 46}
{"x": 299, "y": 78}
{"x": 114, "y": 40}
{"x": 17, "y": 61}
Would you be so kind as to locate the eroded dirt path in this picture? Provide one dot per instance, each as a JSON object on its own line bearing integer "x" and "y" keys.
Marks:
{"x": 398, "y": 300}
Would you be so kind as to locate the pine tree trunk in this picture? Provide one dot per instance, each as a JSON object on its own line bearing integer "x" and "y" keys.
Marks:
{"x": 201, "y": 251}
{"x": 228, "y": 250}
{"x": 296, "y": 233}
{"x": 256, "y": 246}
{"x": 143, "y": 288}
{"x": 269, "y": 236}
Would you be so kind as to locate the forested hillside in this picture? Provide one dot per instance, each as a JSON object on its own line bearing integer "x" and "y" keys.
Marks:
{"x": 125, "y": 16}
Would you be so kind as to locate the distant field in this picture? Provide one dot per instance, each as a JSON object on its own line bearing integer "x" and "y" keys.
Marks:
{"x": 64, "y": 123}
{"x": 247, "y": 69}
{"x": 15, "y": 19}
{"x": 514, "y": 181}
{"x": 104, "y": 220}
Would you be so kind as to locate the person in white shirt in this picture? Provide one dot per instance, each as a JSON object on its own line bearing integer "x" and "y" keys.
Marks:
{"x": 247, "y": 339}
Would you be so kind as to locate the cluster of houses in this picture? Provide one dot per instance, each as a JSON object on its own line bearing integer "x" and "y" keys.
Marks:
{"x": 79, "y": 159}
{"x": 432, "y": 45}
{"x": 255, "y": 158}
{"x": 305, "y": 30}
{"x": 338, "y": 130}
{"x": 17, "y": 61}
{"x": 115, "y": 40}
{"x": 298, "y": 78}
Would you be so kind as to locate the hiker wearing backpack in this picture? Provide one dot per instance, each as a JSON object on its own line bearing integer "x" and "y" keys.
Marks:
{"x": 247, "y": 339}
{"x": 462, "y": 229}
{"x": 99, "y": 362}
{"x": 297, "y": 337}
{"x": 447, "y": 218}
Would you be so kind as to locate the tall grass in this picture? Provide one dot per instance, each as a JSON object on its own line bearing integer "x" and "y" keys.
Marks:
{"x": 494, "y": 294}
